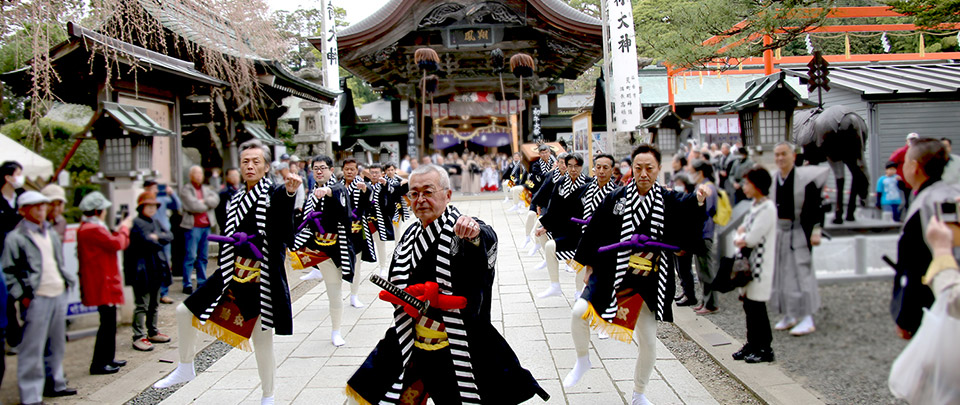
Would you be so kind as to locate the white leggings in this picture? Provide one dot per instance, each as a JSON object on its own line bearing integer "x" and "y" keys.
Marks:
{"x": 515, "y": 194}
{"x": 644, "y": 333}
{"x": 383, "y": 256}
{"x": 553, "y": 265}
{"x": 505, "y": 187}
{"x": 333, "y": 279}
{"x": 262, "y": 347}
{"x": 531, "y": 223}
{"x": 357, "y": 276}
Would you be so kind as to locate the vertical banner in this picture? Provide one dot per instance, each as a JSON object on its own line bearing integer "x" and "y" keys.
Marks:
{"x": 331, "y": 69}
{"x": 535, "y": 118}
{"x": 620, "y": 59}
{"x": 412, "y": 132}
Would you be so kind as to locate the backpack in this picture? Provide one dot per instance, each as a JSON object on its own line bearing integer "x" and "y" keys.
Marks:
{"x": 724, "y": 208}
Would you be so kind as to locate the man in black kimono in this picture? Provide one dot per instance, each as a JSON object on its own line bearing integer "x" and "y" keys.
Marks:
{"x": 513, "y": 178}
{"x": 360, "y": 235}
{"x": 629, "y": 267}
{"x": 402, "y": 210}
{"x": 538, "y": 205}
{"x": 322, "y": 240}
{"x": 541, "y": 172}
{"x": 451, "y": 353}
{"x": 384, "y": 200}
{"x": 248, "y": 296}
{"x": 565, "y": 203}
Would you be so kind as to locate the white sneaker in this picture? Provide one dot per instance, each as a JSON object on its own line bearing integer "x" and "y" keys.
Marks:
{"x": 554, "y": 289}
{"x": 266, "y": 400}
{"x": 183, "y": 373}
{"x": 639, "y": 399}
{"x": 541, "y": 266}
{"x": 786, "y": 323}
{"x": 314, "y": 274}
{"x": 336, "y": 339}
{"x": 355, "y": 301}
{"x": 579, "y": 369}
{"x": 805, "y": 327}
{"x": 534, "y": 250}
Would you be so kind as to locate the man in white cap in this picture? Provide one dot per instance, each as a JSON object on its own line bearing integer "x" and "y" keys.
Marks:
{"x": 899, "y": 156}
{"x": 32, "y": 262}
{"x": 58, "y": 201}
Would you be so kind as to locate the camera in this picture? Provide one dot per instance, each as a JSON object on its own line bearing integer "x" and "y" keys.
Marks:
{"x": 947, "y": 212}
{"x": 122, "y": 213}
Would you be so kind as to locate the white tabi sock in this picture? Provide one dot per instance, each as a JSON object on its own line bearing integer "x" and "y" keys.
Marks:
{"x": 579, "y": 369}
{"x": 534, "y": 250}
{"x": 526, "y": 242}
{"x": 183, "y": 373}
{"x": 336, "y": 339}
{"x": 554, "y": 289}
{"x": 639, "y": 399}
{"x": 314, "y": 274}
{"x": 266, "y": 400}
{"x": 355, "y": 301}
{"x": 541, "y": 266}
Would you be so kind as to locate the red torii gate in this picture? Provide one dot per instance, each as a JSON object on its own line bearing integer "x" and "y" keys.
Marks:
{"x": 839, "y": 12}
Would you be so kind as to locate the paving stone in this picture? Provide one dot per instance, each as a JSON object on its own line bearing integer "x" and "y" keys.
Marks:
{"x": 219, "y": 397}
{"x": 332, "y": 377}
{"x": 560, "y": 340}
{"x": 594, "y": 398}
{"x": 313, "y": 396}
{"x": 239, "y": 379}
{"x": 685, "y": 385}
{"x": 300, "y": 367}
{"x": 526, "y": 319}
{"x": 657, "y": 392}
{"x": 194, "y": 389}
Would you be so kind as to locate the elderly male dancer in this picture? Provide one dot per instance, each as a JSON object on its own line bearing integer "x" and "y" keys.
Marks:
{"x": 448, "y": 349}
{"x": 322, "y": 240}
{"x": 629, "y": 264}
{"x": 360, "y": 235}
{"x": 565, "y": 205}
{"x": 541, "y": 173}
{"x": 797, "y": 193}
{"x": 248, "y": 296}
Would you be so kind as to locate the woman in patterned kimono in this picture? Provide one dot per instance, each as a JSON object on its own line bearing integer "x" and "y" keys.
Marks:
{"x": 248, "y": 296}
{"x": 630, "y": 273}
{"x": 565, "y": 204}
{"x": 447, "y": 350}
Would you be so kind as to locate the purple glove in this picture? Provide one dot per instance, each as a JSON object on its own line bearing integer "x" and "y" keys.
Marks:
{"x": 239, "y": 240}
{"x": 638, "y": 241}
{"x": 313, "y": 217}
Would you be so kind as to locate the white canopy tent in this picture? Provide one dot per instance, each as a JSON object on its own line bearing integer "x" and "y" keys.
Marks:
{"x": 34, "y": 165}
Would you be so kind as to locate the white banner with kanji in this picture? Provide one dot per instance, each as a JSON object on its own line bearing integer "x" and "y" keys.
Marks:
{"x": 331, "y": 69}
{"x": 620, "y": 60}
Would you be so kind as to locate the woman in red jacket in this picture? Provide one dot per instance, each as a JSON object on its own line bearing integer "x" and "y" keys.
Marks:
{"x": 100, "y": 282}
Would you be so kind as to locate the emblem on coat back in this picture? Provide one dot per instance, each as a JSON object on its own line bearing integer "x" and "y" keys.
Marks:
{"x": 618, "y": 209}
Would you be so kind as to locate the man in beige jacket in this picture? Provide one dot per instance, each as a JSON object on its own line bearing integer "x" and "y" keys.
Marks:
{"x": 198, "y": 200}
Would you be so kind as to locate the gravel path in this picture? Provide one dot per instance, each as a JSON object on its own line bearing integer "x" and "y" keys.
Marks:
{"x": 847, "y": 360}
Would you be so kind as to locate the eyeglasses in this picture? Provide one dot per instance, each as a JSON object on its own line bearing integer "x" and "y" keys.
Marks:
{"x": 320, "y": 168}
{"x": 426, "y": 194}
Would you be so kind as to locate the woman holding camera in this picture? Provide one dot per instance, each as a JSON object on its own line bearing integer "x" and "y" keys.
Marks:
{"x": 756, "y": 240}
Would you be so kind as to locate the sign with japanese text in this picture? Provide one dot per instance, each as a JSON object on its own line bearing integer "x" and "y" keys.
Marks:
{"x": 411, "y": 132}
{"x": 331, "y": 69}
{"x": 535, "y": 121}
{"x": 620, "y": 62}
{"x": 471, "y": 36}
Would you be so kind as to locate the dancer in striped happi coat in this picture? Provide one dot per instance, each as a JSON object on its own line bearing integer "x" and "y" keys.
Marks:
{"x": 322, "y": 240}
{"x": 513, "y": 178}
{"x": 538, "y": 206}
{"x": 542, "y": 173}
{"x": 402, "y": 211}
{"x": 248, "y": 297}
{"x": 594, "y": 194}
{"x": 565, "y": 204}
{"x": 384, "y": 199}
{"x": 629, "y": 288}
{"x": 452, "y": 353}
{"x": 360, "y": 235}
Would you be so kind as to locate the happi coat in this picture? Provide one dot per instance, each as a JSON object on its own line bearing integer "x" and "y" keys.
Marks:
{"x": 664, "y": 215}
{"x": 473, "y": 363}
{"x": 250, "y": 211}
{"x": 315, "y": 244}
{"x": 565, "y": 203}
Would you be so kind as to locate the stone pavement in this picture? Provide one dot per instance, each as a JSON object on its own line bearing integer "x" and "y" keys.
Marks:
{"x": 312, "y": 371}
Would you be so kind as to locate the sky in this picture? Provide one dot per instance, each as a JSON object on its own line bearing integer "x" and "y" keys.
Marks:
{"x": 356, "y": 9}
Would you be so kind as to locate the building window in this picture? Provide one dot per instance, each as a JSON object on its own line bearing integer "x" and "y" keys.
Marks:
{"x": 773, "y": 126}
{"x": 667, "y": 139}
{"x": 746, "y": 127}
{"x": 145, "y": 153}
{"x": 117, "y": 155}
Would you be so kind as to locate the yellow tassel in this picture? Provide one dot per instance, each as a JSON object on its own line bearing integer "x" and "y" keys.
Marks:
{"x": 356, "y": 396}
{"x": 701, "y": 78}
{"x": 674, "y": 85}
{"x": 740, "y": 66}
{"x": 923, "y": 48}
{"x": 615, "y": 331}
{"x": 846, "y": 45}
{"x": 224, "y": 335}
{"x": 684, "y": 82}
{"x": 776, "y": 53}
{"x": 728, "y": 85}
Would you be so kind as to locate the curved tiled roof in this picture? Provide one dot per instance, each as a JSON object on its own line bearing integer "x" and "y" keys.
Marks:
{"x": 373, "y": 20}
{"x": 569, "y": 12}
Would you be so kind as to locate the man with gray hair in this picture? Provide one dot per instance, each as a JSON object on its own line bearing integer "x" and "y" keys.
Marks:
{"x": 797, "y": 194}
{"x": 198, "y": 199}
{"x": 442, "y": 343}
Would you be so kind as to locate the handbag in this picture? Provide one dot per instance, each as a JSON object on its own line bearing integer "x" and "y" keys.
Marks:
{"x": 927, "y": 370}
{"x": 742, "y": 272}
